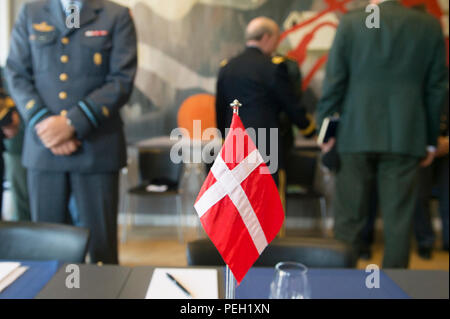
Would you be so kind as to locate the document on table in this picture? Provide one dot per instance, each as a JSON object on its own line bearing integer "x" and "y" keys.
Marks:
{"x": 9, "y": 272}
{"x": 200, "y": 283}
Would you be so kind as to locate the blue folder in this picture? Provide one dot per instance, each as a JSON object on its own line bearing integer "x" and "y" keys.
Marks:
{"x": 32, "y": 281}
{"x": 325, "y": 284}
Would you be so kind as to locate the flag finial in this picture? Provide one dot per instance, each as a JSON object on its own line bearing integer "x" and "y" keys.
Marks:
{"x": 236, "y": 105}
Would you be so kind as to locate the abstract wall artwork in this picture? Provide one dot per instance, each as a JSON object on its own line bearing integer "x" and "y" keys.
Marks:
{"x": 182, "y": 42}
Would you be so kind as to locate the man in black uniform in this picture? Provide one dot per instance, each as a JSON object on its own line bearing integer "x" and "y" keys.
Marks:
{"x": 263, "y": 85}
{"x": 69, "y": 84}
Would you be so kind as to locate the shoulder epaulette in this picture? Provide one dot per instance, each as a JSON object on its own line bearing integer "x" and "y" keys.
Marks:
{"x": 278, "y": 59}
{"x": 223, "y": 63}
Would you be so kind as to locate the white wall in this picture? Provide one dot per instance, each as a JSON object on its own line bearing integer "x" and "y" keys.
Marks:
{"x": 5, "y": 28}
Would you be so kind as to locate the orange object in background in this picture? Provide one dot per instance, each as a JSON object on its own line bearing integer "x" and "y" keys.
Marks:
{"x": 198, "y": 107}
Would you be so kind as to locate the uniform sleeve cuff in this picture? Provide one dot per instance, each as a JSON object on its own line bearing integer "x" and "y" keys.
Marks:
{"x": 38, "y": 116}
{"x": 80, "y": 122}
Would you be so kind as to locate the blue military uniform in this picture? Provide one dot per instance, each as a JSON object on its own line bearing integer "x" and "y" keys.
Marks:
{"x": 85, "y": 74}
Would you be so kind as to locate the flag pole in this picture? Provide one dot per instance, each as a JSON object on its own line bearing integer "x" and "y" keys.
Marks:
{"x": 230, "y": 281}
{"x": 230, "y": 284}
{"x": 236, "y": 105}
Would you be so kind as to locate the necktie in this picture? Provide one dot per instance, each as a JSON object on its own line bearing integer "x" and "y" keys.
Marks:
{"x": 68, "y": 6}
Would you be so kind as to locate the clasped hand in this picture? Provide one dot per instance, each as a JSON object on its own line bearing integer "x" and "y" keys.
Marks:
{"x": 58, "y": 135}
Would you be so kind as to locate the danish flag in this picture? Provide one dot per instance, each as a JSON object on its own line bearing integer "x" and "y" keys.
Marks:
{"x": 238, "y": 204}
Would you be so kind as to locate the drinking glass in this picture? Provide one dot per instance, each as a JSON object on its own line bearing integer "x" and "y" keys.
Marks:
{"x": 290, "y": 282}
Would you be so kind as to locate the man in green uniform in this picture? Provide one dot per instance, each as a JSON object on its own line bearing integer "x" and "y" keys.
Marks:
{"x": 388, "y": 84}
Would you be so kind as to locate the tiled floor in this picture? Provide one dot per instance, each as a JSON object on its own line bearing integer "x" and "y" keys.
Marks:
{"x": 160, "y": 246}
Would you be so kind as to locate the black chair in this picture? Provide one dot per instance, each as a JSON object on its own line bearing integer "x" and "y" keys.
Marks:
{"x": 312, "y": 252}
{"x": 42, "y": 241}
{"x": 300, "y": 175}
{"x": 155, "y": 167}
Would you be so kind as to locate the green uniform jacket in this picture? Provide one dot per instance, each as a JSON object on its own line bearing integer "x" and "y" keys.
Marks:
{"x": 387, "y": 83}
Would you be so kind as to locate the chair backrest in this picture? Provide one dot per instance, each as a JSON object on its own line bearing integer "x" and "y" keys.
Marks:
{"x": 312, "y": 252}
{"x": 155, "y": 164}
{"x": 301, "y": 167}
{"x": 198, "y": 107}
{"x": 42, "y": 241}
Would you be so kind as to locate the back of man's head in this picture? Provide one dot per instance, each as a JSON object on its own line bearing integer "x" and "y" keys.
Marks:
{"x": 263, "y": 33}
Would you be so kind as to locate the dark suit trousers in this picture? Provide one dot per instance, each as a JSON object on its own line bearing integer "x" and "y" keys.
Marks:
{"x": 96, "y": 198}
{"x": 396, "y": 178}
{"x": 434, "y": 175}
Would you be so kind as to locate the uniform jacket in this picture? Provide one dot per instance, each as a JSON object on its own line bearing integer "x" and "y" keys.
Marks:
{"x": 84, "y": 73}
{"x": 387, "y": 83}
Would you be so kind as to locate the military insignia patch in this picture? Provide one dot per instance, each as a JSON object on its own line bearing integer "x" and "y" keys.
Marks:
{"x": 278, "y": 59}
{"x": 43, "y": 27}
{"x": 96, "y": 33}
{"x": 223, "y": 63}
{"x": 30, "y": 104}
{"x": 98, "y": 59}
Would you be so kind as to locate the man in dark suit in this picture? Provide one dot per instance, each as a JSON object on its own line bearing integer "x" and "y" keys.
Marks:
{"x": 69, "y": 84}
{"x": 433, "y": 180}
{"x": 264, "y": 86}
{"x": 388, "y": 84}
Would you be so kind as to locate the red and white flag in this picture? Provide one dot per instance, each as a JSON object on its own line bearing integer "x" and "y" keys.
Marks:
{"x": 239, "y": 205}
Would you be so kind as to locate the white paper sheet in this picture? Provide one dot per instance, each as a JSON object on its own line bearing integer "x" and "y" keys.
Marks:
{"x": 201, "y": 283}
{"x": 6, "y": 268}
{"x": 13, "y": 275}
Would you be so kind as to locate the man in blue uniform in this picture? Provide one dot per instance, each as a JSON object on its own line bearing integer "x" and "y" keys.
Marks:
{"x": 69, "y": 84}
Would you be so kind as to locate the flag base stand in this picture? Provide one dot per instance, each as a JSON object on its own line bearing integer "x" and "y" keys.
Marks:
{"x": 230, "y": 284}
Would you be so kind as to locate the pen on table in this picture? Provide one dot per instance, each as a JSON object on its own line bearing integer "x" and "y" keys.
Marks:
{"x": 176, "y": 282}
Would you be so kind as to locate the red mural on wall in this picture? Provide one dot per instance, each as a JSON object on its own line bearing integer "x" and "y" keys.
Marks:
{"x": 299, "y": 52}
